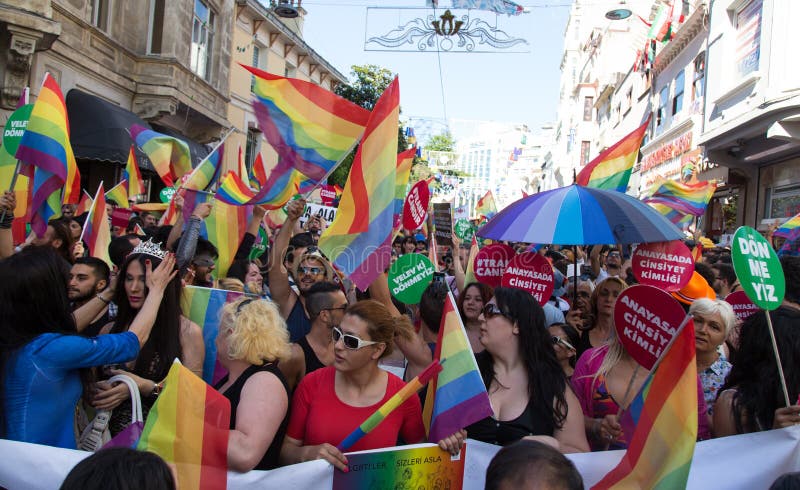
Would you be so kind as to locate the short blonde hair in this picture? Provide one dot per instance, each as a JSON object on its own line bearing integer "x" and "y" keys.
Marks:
{"x": 231, "y": 284}
{"x": 258, "y": 332}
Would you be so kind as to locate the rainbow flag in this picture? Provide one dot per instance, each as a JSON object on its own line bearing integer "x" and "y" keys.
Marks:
{"x": 138, "y": 230}
{"x": 242, "y": 167}
{"x": 359, "y": 241}
{"x": 119, "y": 194}
{"x": 406, "y": 392}
{"x": 787, "y": 228}
{"x": 170, "y": 156}
{"x": 457, "y": 397}
{"x": 665, "y": 416}
{"x": 486, "y": 206}
{"x": 686, "y": 199}
{"x": 203, "y": 306}
{"x": 206, "y": 173}
{"x": 45, "y": 146}
{"x": 281, "y": 185}
{"x": 133, "y": 175}
{"x": 310, "y": 128}
{"x": 96, "y": 230}
{"x": 85, "y": 205}
{"x": 259, "y": 173}
{"x": 188, "y": 426}
{"x": 612, "y": 168}
{"x": 469, "y": 274}
{"x": 275, "y": 218}
{"x": 405, "y": 160}
{"x": 676, "y": 217}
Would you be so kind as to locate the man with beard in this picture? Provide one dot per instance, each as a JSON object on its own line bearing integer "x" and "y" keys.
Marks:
{"x": 309, "y": 268}
{"x": 612, "y": 266}
{"x": 87, "y": 278}
{"x": 326, "y": 304}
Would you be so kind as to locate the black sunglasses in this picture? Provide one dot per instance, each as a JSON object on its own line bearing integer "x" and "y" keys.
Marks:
{"x": 492, "y": 310}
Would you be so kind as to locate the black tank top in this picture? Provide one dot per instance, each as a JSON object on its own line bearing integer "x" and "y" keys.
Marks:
{"x": 270, "y": 459}
{"x": 312, "y": 361}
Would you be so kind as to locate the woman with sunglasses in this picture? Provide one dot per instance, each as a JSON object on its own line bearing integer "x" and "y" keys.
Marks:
{"x": 331, "y": 402}
{"x": 564, "y": 338}
{"x": 527, "y": 387}
{"x": 252, "y": 340}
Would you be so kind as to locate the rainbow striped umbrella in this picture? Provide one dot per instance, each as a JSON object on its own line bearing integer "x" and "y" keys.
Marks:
{"x": 576, "y": 215}
{"x": 785, "y": 230}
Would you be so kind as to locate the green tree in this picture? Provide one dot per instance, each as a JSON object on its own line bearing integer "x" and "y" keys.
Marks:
{"x": 441, "y": 142}
{"x": 367, "y": 84}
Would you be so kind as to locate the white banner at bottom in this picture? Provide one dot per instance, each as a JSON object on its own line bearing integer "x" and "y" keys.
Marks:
{"x": 749, "y": 461}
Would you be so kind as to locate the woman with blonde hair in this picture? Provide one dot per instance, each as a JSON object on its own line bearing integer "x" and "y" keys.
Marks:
{"x": 252, "y": 340}
{"x": 601, "y": 314}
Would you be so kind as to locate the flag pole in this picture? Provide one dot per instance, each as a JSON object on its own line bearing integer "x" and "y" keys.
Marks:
{"x": 777, "y": 358}
{"x": 11, "y": 187}
{"x": 335, "y": 166}
{"x": 91, "y": 210}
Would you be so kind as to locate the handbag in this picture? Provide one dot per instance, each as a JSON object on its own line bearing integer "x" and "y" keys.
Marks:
{"x": 96, "y": 435}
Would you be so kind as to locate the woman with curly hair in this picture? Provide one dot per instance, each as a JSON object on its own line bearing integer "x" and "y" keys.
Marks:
{"x": 528, "y": 390}
{"x": 752, "y": 398}
{"x": 252, "y": 340}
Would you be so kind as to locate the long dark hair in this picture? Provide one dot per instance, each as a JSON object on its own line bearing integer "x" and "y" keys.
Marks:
{"x": 164, "y": 342}
{"x": 755, "y": 373}
{"x": 33, "y": 301}
{"x": 483, "y": 289}
{"x": 546, "y": 379}
{"x": 62, "y": 232}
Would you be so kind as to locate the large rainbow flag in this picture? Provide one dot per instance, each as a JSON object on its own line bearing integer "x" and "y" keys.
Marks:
{"x": 612, "y": 168}
{"x": 96, "y": 230}
{"x": 311, "y": 129}
{"x": 206, "y": 173}
{"x": 686, "y": 199}
{"x": 133, "y": 175}
{"x": 203, "y": 306}
{"x": 405, "y": 160}
{"x": 457, "y": 397}
{"x": 189, "y": 427}
{"x": 359, "y": 241}
{"x": 119, "y": 194}
{"x": 45, "y": 145}
{"x": 665, "y": 415}
{"x": 283, "y": 183}
{"x": 486, "y": 207}
{"x": 170, "y": 156}
{"x": 787, "y": 228}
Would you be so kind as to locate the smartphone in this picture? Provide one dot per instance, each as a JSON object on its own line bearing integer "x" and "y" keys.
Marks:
{"x": 438, "y": 277}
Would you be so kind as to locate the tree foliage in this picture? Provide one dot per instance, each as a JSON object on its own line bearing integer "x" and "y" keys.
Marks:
{"x": 441, "y": 142}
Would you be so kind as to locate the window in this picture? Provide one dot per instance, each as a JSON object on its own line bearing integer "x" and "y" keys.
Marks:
{"x": 782, "y": 202}
{"x": 290, "y": 70}
{"x": 677, "y": 99}
{"x": 699, "y": 76}
{"x": 747, "y": 22}
{"x": 251, "y": 148}
{"x": 256, "y": 55}
{"x": 588, "y": 106}
{"x": 100, "y": 11}
{"x": 156, "y": 26}
{"x": 661, "y": 113}
{"x": 202, "y": 39}
{"x": 585, "y": 147}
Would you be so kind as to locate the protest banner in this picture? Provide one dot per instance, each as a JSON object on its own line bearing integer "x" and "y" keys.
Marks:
{"x": 409, "y": 275}
{"x": 491, "y": 263}
{"x": 328, "y": 213}
{"x": 416, "y": 205}
{"x": 665, "y": 265}
{"x": 443, "y": 223}
{"x": 741, "y": 304}
{"x": 530, "y": 272}
{"x": 646, "y": 319}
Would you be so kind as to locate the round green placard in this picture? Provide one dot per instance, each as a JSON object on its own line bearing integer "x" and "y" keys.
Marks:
{"x": 260, "y": 245}
{"x": 758, "y": 268}
{"x": 409, "y": 276}
{"x": 166, "y": 194}
{"x": 464, "y": 230}
{"x": 15, "y": 128}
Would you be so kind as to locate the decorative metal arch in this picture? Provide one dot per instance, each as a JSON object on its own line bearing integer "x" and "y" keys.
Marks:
{"x": 447, "y": 34}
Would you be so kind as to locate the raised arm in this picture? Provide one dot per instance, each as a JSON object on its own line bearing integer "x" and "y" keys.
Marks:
{"x": 278, "y": 275}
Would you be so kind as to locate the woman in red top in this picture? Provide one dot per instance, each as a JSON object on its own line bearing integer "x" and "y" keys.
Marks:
{"x": 330, "y": 403}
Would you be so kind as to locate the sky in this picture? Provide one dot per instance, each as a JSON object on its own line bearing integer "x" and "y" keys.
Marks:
{"x": 504, "y": 87}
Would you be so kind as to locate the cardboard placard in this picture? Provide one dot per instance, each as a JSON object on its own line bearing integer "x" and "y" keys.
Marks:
{"x": 665, "y": 265}
{"x": 530, "y": 272}
{"x": 328, "y": 213}
{"x": 758, "y": 268}
{"x": 646, "y": 319}
{"x": 409, "y": 275}
{"x": 491, "y": 263}
{"x": 443, "y": 223}
{"x": 741, "y": 304}
{"x": 416, "y": 205}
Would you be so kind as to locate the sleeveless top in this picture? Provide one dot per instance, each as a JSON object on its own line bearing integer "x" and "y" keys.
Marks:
{"x": 270, "y": 459}
{"x": 312, "y": 361}
{"x": 535, "y": 420}
{"x": 298, "y": 323}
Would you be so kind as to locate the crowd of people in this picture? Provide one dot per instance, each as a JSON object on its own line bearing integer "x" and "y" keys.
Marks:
{"x": 303, "y": 347}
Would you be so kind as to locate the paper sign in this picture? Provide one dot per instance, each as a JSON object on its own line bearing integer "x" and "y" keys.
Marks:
{"x": 461, "y": 212}
{"x": 530, "y": 272}
{"x": 646, "y": 319}
{"x": 741, "y": 304}
{"x": 758, "y": 268}
{"x": 491, "y": 263}
{"x": 416, "y": 205}
{"x": 420, "y": 467}
{"x": 443, "y": 223}
{"x": 409, "y": 275}
{"x": 665, "y": 265}
{"x": 328, "y": 213}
